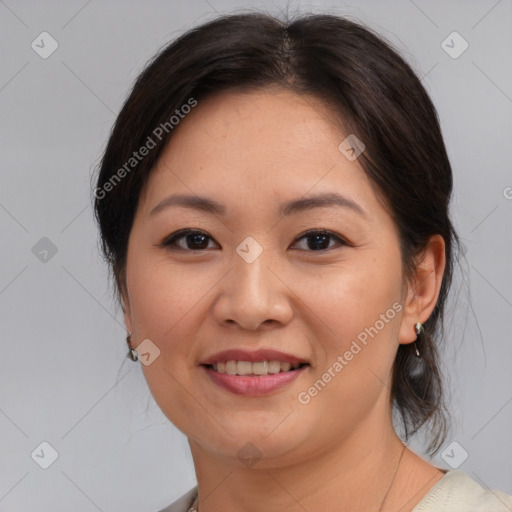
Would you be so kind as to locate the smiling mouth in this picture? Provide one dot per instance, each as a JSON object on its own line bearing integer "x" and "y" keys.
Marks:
{"x": 256, "y": 368}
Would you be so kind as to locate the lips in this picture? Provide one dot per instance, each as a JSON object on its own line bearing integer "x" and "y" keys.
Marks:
{"x": 253, "y": 373}
{"x": 253, "y": 357}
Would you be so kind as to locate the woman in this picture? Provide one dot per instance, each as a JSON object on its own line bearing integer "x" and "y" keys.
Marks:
{"x": 273, "y": 202}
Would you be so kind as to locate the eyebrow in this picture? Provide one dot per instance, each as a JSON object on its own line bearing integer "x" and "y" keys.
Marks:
{"x": 288, "y": 208}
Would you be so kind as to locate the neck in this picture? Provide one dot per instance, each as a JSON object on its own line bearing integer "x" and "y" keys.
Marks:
{"x": 354, "y": 474}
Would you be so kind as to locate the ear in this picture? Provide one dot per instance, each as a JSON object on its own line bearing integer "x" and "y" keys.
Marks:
{"x": 423, "y": 288}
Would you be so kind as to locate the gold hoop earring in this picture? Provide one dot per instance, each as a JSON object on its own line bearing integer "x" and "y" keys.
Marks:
{"x": 133, "y": 355}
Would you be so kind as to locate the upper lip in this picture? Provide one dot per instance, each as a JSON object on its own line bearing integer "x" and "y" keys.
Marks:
{"x": 252, "y": 356}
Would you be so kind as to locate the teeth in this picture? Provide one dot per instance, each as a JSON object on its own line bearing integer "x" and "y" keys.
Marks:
{"x": 274, "y": 367}
{"x": 256, "y": 368}
{"x": 259, "y": 368}
{"x": 231, "y": 367}
{"x": 285, "y": 367}
{"x": 244, "y": 368}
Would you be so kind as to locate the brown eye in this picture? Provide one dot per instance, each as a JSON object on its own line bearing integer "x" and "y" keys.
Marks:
{"x": 318, "y": 240}
{"x": 194, "y": 240}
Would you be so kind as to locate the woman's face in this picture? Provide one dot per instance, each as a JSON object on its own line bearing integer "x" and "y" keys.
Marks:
{"x": 254, "y": 281}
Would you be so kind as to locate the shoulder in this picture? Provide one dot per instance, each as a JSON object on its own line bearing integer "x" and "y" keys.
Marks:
{"x": 458, "y": 492}
{"x": 182, "y": 504}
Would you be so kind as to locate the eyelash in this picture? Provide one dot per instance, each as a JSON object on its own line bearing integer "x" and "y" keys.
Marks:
{"x": 170, "y": 241}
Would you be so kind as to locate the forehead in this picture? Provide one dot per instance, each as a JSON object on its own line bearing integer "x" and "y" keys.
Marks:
{"x": 269, "y": 145}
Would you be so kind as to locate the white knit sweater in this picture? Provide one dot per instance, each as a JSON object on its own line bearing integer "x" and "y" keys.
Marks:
{"x": 455, "y": 492}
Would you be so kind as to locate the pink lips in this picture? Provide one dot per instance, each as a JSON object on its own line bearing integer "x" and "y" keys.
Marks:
{"x": 256, "y": 385}
{"x": 253, "y": 385}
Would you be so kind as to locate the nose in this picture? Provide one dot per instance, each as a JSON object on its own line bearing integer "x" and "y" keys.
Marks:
{"x": 253, "y": 295}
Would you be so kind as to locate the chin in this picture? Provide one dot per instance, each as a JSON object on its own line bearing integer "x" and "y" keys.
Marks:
{"x": 251, "y": 445}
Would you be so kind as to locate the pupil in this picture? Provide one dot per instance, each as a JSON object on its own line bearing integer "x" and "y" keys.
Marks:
{"x": 323, "y": 237}
{"x": 197, "y": 238}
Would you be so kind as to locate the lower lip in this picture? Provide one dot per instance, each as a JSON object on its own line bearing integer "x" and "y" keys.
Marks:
{"x": 258, "y": 385}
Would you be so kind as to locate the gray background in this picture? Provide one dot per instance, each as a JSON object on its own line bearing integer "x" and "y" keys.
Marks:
{"x": 63, "y": 376}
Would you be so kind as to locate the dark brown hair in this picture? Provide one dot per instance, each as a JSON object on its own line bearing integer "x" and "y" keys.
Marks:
{"x": 375, "y": 95}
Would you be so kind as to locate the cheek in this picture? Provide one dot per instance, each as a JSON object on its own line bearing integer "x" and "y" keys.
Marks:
{"x": 353, "y": 298}
{"x": 162, "y": 306}
{"x": 361, "y": 307}
{"x": 161, "y": 296}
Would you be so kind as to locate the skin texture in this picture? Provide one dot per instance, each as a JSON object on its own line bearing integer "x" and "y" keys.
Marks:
{"x": 252, "y": 152}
